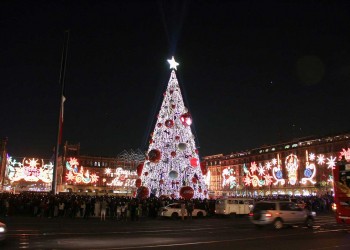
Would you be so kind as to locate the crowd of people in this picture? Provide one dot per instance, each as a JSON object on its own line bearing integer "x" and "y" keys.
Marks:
{"x": 116, "y": 207}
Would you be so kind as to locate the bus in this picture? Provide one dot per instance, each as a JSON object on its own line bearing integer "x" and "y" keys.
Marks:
{"x": 233, "y": 206}
{"x": 341, "y": 186}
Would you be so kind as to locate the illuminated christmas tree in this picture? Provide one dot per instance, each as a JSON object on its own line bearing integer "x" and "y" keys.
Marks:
{"x": 172, "y": 167}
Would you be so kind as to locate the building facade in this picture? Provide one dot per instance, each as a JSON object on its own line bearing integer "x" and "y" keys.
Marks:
{"x": 299, "y": 167}
{"x": 76, "y": 173}
{"x": 98, "y": 175}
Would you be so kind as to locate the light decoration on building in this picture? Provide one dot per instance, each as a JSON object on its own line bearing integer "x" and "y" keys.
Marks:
{"x": 320, "y": 159}
{"x": 31, "y": 170}
{"x": 123, "y": 178}
{"x": 346, "y": 154}
{"x": 252, "y": 175}
{"x": 229, "y": 178}
{"x": 310, "y": 169}
{"x": 331, "y": 161}
{"x": 258, "y": 174}
{"x": 79, "y": 175}
{"x": 277, "y": 171}
{"x": 292, "y": 167}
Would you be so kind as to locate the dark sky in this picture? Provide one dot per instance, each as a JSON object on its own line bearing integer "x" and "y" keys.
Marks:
{"x": 251, "y": 72}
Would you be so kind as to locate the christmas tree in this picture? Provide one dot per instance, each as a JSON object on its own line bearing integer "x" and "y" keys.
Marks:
{"x": 172, "y": 167}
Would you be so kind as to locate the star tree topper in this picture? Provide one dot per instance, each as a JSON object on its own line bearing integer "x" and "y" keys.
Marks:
{"x": 172, "y": 63}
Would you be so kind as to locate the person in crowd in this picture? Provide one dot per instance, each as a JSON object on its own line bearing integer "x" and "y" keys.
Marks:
{"x": 189, "y": 209}
{"x": 104, "y": 205}
{"x": 183, "y": 210}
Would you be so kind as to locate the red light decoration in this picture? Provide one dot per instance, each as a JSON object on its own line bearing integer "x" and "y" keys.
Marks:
{"x": 154, "y": 155}
{"x": 194, "y": 180}
{"x": 139, "y": 169}
{"x": 142, "y": 192}
{"x": 204, "y": 168}
{"x": 186, "y": 119}
{"x": 194, "y": 162}
{"x": 187, "y": 192}
{"x": 169, "y": 123}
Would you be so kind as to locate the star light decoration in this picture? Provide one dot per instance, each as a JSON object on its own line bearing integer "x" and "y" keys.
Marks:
{"x": 173, "y": 63}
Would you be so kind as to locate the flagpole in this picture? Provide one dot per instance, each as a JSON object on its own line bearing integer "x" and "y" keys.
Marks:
{"x": 60, "y": 117}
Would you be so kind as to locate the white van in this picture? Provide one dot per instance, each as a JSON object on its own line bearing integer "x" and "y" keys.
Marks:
{"x": 233, "y": 206}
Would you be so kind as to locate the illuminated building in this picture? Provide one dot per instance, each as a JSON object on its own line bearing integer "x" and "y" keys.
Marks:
{"x": 299, "y": 167}
{"x": 76, "y": 173}
{"x": 95, "y": 174}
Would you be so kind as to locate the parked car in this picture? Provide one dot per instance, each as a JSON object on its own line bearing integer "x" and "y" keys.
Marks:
{"x": 174, "y": 211}
{"x": 233, "y": 206}
{"x": 280, "y": 213}
{"x": 3, "y": 231}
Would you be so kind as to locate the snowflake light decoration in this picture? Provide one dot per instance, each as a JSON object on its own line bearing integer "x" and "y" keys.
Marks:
{"x": 320, "y": 159}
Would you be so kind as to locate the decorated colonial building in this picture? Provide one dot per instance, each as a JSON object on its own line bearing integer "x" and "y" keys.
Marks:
{"x": 95, "y": 174}
{"x": 299, "y": 167}
{"x": 75, "y": 173}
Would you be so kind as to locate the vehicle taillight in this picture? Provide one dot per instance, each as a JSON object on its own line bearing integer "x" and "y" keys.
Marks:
{"x": 251, "y": 214}
{"x": 268, "y": 215}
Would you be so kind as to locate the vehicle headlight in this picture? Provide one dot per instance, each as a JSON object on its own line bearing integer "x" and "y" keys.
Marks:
{"x": 2, "y": 229}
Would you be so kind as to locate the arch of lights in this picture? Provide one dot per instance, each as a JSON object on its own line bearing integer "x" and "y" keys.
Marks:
{"x": 271, "y": 172}
{"x": 31, "y": 170}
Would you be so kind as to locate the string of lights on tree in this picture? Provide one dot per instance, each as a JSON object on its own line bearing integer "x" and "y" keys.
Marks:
{"x": 172, "y": 167}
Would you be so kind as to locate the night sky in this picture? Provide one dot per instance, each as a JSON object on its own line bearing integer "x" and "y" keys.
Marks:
{"x": 252, "y": 72}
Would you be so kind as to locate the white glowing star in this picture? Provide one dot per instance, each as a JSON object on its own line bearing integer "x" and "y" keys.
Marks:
{"x": 274, "y": 161}
{"x": 108, "y": 171}
{"x": 261, "y": 170}
{"x": 320, "y": 159}
{"x": 172, "y": 63}
{"x": 331, "y": 162}
{"x": 268, "y": 165}
{"x": 312, "y": 156}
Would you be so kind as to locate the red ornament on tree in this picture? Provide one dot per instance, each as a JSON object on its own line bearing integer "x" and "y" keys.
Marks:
{"x": 138, "y": 183}
{"x": 143, "y": 192}
{"x": 173, "y": 153}
{"x": 194, "y": 162}
{"x": 177, "y": 137}
{"x": 187, "y": 192}
{"x": 186, "y": 119}
{"x": 139, "y": 169}
{"x": 169, "y": 123}
{"x": 161, "y": 182}
{"x": 154, "y": 155}
{"x": 146, "y": 173}
{"x": 194, "y": 180}
{"x": 204, "y": 167}
{"x": 159, "y": 125}
{"x": 173, "y": 106}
